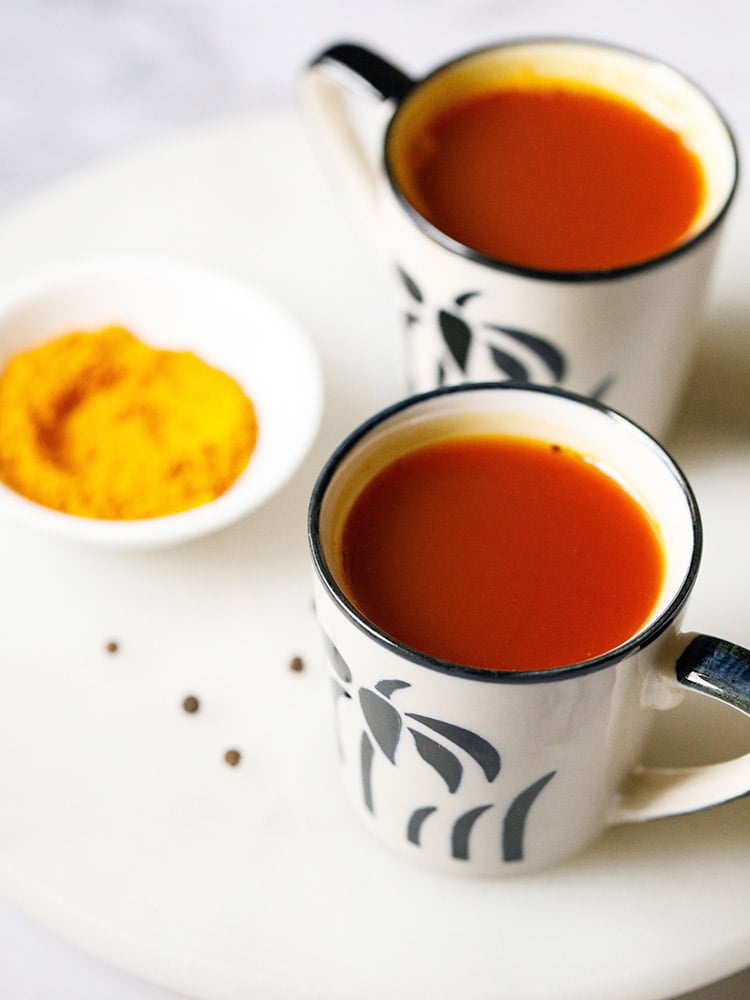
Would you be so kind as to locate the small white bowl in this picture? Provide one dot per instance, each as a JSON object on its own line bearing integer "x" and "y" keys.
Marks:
{"x": 178, "y": 306}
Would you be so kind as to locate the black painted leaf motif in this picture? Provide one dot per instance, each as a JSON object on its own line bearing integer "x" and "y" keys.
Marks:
{"x": 387, "y": 688}
{"x": 543, "y": 349}
{"x": 337, "y": 661}
{"x": 383, "y": 721}
{"x": 416, "y": 822}
{"x": 604, "y": 386}
{"x": 410, "y": 285}
{"x": 461, "y": 300}
{"x": 447, "y": 765}
{"x": 457, "y": 336}
{"x": 509, "y": 365}
{"x": 462, "y": 829}
{"x": 440, "y": 374}
{"x": 514, "y": 824}
{"x": 366, "y": 754}
{"x": 476, "y": 746}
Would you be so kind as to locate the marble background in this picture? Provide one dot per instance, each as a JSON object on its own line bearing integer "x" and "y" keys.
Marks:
{"x": 81, "y": 78}
{"x": 84, "y": 78}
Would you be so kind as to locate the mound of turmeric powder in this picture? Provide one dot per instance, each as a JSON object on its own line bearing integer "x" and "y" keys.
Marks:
{"x": 103, "y": 426}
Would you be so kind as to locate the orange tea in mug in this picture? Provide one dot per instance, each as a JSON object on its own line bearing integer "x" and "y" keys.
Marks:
{"x": 501, "y": 552}
{"x": 550, "y": 208}
{"x": 500, "y": 577}
{"x": 553, "y": 175}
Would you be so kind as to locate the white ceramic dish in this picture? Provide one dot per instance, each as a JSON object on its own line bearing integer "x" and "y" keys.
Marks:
{"x": 121, "y": 826}
{"x": 174, "y": 304}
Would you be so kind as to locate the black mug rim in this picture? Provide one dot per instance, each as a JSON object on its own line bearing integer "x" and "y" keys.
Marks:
{"x": 639, "y": 641}
{"x": 551, "y": 274}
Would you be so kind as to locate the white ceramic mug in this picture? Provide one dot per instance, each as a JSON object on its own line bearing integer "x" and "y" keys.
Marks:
{"x": 623, "y": 335}
{"x": 489, "y": 772}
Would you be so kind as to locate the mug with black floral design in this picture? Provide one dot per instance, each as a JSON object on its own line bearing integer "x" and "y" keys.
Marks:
{"x": 549, "y": 210}
{"x": 501, "y": 574}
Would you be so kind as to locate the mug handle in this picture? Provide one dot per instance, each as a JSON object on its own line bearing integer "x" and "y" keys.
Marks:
{"x": 345, "y": 91}
{"x": 721, "y": 670}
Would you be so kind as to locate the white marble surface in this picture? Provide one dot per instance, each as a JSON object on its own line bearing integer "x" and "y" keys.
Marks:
{"x": 81, "y": 77}
{"x": 86, "y": 78}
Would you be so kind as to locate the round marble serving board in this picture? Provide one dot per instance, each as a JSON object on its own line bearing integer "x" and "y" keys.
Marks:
{"x": 123, "y": 828}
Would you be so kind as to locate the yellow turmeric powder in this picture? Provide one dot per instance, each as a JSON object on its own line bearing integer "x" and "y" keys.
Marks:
{"x": 101, "y": 425}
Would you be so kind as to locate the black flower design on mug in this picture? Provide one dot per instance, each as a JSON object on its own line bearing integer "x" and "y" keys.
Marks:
{"x": 445, "y": 747}
{"x": 514, "y": 354}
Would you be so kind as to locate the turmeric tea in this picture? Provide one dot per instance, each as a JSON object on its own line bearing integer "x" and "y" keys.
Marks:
{"x": 103, "y": 426}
